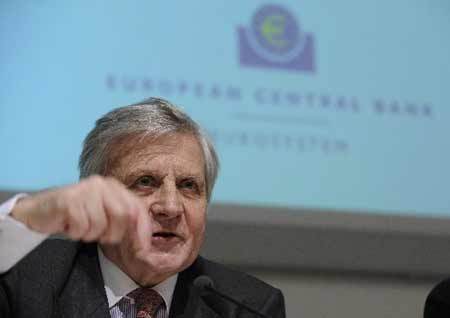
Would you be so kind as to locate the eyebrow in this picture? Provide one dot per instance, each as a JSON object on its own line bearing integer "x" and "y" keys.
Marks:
{"x": 133, "y": 175}
{"x": 130, "y": 177}
{"x": 197, "y": 179}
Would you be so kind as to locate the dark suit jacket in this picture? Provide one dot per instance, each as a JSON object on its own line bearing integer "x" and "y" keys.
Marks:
{"x": 437, "y": 304}
{"x": 63, "y": 279}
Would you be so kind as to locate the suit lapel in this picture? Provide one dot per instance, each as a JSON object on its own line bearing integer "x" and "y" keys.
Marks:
{"x": 207, "y": 307}
{"x": 84, "y": 293}
{"x": 202, "y": 310}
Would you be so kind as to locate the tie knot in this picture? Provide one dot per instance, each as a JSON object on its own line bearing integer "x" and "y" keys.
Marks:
{"x": 147, "y": 301}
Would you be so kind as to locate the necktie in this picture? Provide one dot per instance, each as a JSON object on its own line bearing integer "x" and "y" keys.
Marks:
{"x": 147, "y": 301}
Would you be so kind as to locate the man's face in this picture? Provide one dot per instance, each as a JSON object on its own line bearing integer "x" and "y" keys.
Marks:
{"x": 168, "y": 175}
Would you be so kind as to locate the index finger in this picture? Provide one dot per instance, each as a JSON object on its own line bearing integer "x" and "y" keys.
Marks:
{"x": 141, "y": 234}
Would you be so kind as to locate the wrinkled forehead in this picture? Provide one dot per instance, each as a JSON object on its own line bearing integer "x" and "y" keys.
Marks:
{"x": 180, "y": 151}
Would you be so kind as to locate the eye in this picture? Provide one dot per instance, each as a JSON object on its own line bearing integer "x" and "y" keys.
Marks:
{"x": 189, "y": 184}
{"x": 145, "y": 182}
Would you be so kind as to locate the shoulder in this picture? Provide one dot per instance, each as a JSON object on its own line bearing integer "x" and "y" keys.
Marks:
{"x": 34, "y": 285}
{"x": 230, "y": 278}
{"x": 438, "y": 301}
{"x": 48, "y": 262}
{"x": 242, "y": 286}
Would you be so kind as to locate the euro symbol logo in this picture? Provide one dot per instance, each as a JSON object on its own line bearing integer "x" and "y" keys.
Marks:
{"x": 274, "y": 39}
{"x": 273, "y": 29}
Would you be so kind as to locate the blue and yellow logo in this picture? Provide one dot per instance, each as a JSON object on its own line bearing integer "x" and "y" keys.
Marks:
{"x": 275, "y": 39}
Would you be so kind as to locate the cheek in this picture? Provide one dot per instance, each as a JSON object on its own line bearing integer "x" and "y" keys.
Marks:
{"x": 197, "y": 222}
{"x": 197, "y": 231}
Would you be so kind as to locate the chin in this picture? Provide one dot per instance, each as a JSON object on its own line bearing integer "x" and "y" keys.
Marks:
{"x": 170, "y": 262}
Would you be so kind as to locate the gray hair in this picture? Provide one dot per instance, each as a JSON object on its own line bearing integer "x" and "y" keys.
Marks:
{"x": 152, "y": 117}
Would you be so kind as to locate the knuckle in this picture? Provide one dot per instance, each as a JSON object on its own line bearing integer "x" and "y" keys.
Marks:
{"x": 112, "y": 181}
{"x": 73, "y": 232}
{"x": 93, "y": 231}
{"x": 94, "y": 234}
{"x": 76, "y": 220}
{"x": 95, "y": 178}
{"x": 108, "y": 238}
{"x": 89, "y": 237}
{"x": 101, "y": 223}
{"x": 98, "y": 232}
{"x": 70, "y": 215}
{"x": 67, "y": 197}
{"x": 90, "y": 182}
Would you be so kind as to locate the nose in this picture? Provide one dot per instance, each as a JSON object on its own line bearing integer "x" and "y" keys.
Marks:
{"x": 168, "y": 204}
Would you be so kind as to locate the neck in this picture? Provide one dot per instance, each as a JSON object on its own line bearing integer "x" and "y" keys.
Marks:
{"x": 136, "y": 269}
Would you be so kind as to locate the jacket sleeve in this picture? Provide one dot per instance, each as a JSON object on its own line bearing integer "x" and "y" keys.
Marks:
{"x": 5, "y": 311}
{"x": 16, "y": 239}
{"x": 274, "y": 306}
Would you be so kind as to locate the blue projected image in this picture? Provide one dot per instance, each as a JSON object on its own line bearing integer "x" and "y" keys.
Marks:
{"x": 342, "y": 109}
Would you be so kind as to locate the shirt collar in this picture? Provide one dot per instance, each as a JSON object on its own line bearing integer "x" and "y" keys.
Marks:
{"x": 118, "y": 284}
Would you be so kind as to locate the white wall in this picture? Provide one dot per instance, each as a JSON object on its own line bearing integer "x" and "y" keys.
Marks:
{"x": 330, "y": 296}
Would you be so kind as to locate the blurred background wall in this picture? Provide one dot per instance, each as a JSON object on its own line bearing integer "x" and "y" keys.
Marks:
{"x": 330, "y": 119}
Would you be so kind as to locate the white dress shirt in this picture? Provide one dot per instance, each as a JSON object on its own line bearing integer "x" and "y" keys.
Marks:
{"x": 17, "y": 240}
{"x": 118, "y": 284}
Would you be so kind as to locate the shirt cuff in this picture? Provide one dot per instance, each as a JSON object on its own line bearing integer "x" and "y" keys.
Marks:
{"x": 16, "y": 239}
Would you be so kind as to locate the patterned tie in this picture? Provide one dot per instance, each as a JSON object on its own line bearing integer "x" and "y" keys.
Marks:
{"x": 147, "y": 302}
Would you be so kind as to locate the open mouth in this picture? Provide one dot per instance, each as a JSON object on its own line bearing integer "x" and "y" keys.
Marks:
{"x": 164, "y": 236}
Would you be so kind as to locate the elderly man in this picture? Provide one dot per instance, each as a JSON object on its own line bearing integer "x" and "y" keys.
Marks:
{"x": 136, "y": 221}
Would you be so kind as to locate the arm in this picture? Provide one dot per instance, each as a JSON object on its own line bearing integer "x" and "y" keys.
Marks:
{"x": 95, "y": 209}
{"x": 16, "y": 239}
